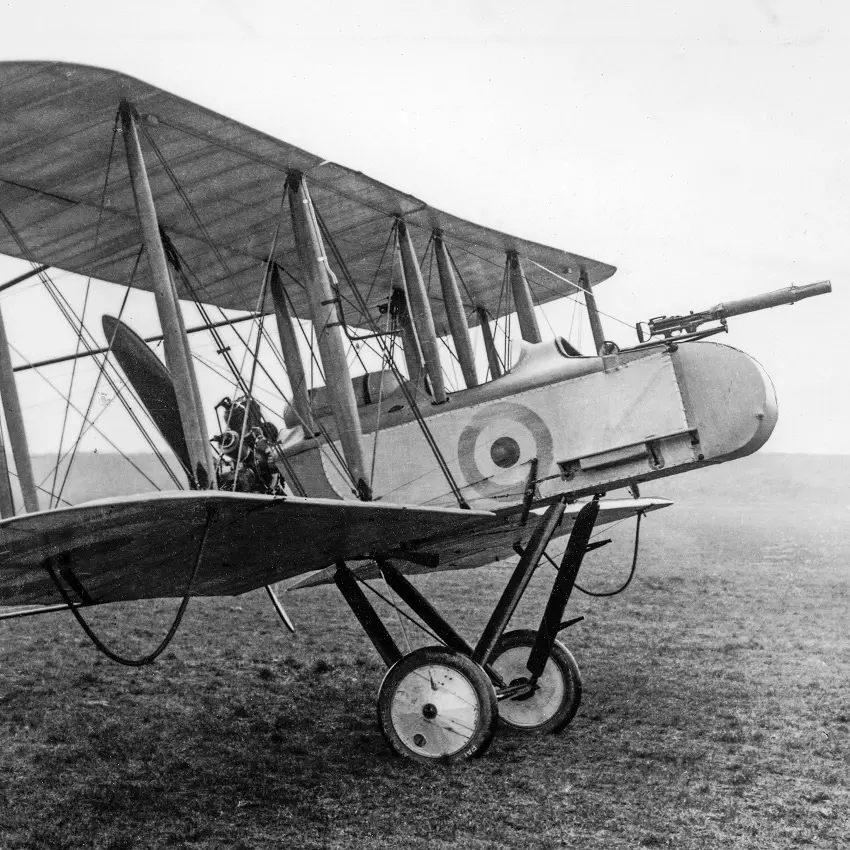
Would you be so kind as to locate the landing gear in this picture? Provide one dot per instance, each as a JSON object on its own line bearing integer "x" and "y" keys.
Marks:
{"x": 437, "y": 705}
{"x": 543, "y": 706}
{"x": 440, "y": 703}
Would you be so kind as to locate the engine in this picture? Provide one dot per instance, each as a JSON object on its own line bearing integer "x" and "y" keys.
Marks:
{"x": 248, "y": 449}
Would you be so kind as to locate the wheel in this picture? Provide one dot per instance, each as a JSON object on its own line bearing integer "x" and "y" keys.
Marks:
{"x": 435, "y": 704}
{"x": 557, "y": 695}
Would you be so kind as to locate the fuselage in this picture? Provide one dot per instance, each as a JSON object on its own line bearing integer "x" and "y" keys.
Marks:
{"x": 592, "y": 423}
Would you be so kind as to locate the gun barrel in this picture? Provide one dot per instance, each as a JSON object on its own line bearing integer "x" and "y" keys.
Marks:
{"x": 788, "y": 295}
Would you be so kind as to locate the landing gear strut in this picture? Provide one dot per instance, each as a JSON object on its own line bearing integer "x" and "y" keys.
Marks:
{"x": 442, "y": 703}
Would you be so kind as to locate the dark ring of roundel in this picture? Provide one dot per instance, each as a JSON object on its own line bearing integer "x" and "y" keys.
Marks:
{"x": 504, "y": 452}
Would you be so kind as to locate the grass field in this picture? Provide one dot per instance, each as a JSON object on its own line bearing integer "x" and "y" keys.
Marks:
{"x": 716, "y": 706}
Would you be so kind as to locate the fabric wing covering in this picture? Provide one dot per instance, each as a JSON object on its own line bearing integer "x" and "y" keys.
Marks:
{"x": 146, "y": 547}
{"x": 66, "y": 201}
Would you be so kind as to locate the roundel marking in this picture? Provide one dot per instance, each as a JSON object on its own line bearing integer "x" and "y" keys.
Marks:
{"x": 494, "y": 449}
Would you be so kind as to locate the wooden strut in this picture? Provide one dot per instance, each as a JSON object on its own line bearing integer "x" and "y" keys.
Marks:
{"x": 176, "y": 343}
{"x": 528, "y": 326}
{"x": 484, "y": 650}
{"x": 24, "y": 367}
{"x": 454, "y": 311}
{"x": 323, "y": 302}
{"x": 17, "y": 431}
{"x": 550, "y": 624}
{"x": 366, "y": 614}
{"x": 489, "y": 345}
{"x": 400, "y": 309}
{"x": 22, "y": 277}
{"x": 592, "y": 311}
{"x": 291, "y": 353}
{"x": 420, "y": 308}
{"x": 7, "y": 503}
{"x": 512, "y": 594}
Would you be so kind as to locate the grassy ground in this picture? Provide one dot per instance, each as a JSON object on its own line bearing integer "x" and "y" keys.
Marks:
{"x": 716, "y": 709}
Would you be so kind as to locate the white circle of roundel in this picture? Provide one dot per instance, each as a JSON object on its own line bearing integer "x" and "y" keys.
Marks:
{"x": 487, "y": 426}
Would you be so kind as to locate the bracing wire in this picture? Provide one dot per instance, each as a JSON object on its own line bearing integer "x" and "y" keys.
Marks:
{"x": 180, "y": 262}
{"x": 91, "y": 423}
{"x": 414, "y": 406}
{"x": 68, "y": 312}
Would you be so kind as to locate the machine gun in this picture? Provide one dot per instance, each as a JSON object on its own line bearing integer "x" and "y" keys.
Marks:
{"x": 686, "y": 326}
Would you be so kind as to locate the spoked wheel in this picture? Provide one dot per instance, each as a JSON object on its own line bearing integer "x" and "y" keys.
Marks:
{"x": 435, "y": 704}
{"x": 551, "y": 703}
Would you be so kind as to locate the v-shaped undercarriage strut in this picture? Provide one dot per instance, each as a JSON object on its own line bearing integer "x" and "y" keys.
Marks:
{"x": 442, "y": 702}
{"x": 481, "y": 654}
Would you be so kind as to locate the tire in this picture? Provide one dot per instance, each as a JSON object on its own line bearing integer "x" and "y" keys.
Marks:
{"x": 557, "y": 697}
{"x": 436, "y": 705}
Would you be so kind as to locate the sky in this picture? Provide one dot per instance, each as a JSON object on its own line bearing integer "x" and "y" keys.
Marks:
{"x": 700, "y": 148}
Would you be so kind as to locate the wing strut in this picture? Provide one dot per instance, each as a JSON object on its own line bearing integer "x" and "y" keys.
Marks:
{"x": 455, "y": 312}
{"x": 592, "y": 311}
{"x": 400, "y": 310}
{"x": 17, "y": 435}
{"x": 176, "y": 342}
{"x": 291, "y": 353}
{"x": 521, "y": 292}
{"x": 325, "y": 316}
{"x": 418, "y": 299}
{"x": 489, "y": 344}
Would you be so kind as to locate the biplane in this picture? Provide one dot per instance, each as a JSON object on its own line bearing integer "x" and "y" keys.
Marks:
{"x": 428, "y": 459}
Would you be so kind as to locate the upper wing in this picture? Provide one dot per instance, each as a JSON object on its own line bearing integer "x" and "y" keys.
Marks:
{"x": 65, "y": 191}
{"x": 491, "y": 540}
{"x": 144, "y": 547}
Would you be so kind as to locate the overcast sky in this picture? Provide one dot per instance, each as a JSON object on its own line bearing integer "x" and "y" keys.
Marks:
{"x": 700, "y": 148}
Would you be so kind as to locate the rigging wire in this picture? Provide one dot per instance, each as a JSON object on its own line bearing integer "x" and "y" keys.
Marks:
{"x": 276, "y": 166}
{"x": 79, "y": 340}
{"x": 390, "y": 357}
{"x": 223, "y": 349}
{"x": 429, "y": 437}
{"x": 119, "y": 393}
{"x": 399, "y": 609}
{"x": 42, "y": 489}
{"x": 77, "y": 410}
{"x": 74, "y": 321}
{"x": 629, "y": 325}
{"x": 87, "y": 426}
{"x": 70, "y": 391}
{"x": 67, "y": 310}
{"x": 250, "y": 396}
{"x": 180, "y": 262}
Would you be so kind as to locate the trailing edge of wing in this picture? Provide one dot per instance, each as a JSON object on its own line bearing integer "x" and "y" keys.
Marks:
{"x": 144, "y": 547}
{"x": 57, "y": 149}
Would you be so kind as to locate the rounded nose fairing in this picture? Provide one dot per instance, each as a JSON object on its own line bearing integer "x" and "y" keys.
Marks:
{"x": 730, "y": 399}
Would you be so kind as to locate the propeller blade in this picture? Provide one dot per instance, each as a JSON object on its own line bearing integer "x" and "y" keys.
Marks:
{"x": 152, "y": 382}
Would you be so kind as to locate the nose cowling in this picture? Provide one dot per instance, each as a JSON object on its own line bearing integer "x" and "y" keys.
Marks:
{"x": 730, "y": 397}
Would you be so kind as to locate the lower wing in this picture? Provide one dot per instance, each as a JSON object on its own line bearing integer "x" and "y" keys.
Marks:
{"x": 147, "y": 547}
{"x": 223, "y": 544}
{"x": 489, "y": 541}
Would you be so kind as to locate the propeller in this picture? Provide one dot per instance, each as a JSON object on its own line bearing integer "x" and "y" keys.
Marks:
{"x": 152, "y": 382}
